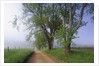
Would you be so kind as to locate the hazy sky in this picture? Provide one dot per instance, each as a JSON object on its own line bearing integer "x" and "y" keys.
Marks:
{"x": 9, "y": 12}
{"x": 11, "y": 36}
{"x": 86, "y": 33}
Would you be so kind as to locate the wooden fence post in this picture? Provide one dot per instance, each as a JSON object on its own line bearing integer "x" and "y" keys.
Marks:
{"x": 8, "y": 48}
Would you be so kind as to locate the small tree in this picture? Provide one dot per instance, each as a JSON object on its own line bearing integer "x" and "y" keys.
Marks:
{"x": 40, "y": 40}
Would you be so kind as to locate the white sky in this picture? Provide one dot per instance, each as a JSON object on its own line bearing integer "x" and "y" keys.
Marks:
{"x": 11, "y": 33}
{"x": 13, "y": 37}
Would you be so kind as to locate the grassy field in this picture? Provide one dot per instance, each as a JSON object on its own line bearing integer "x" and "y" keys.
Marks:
{"x": 76, "y": 55}
{"x": 16, "y": 55}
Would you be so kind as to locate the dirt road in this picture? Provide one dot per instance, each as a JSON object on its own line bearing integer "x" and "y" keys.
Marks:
{"x": 40, "y": 57}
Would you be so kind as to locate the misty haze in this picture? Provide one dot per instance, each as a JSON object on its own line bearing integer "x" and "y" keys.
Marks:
{"x": 43, "y": 27}
{"x": 12, "y": 35}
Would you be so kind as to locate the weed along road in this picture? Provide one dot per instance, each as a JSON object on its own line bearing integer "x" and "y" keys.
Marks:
{"x": 40, "y": 57}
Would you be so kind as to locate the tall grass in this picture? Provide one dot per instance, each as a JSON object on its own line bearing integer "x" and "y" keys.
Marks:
{"x": 16, "y": 55}
{"x": 76, "y": 55}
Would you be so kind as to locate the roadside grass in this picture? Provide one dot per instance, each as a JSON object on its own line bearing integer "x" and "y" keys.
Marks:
{"x": 16, "y": 55}
{"x": 76, "y": 55}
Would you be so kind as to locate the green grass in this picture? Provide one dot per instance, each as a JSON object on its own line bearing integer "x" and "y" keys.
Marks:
{"x": 16, "y": 55}
{"x": 76, "y": 55}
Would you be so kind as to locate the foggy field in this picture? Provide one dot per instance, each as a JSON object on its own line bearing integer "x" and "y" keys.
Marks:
{"x": 76, "y": 55}
{"x": 16, "y": 55}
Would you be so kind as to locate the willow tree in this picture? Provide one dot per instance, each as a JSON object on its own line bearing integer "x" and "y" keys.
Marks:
{"x": 72, "y": 19}
{"x": 44, "y": 17}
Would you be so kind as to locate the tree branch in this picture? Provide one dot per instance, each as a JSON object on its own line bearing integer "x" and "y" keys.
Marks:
{"x": 73, "y": 13}
{"x": 27, "y": 6}
{"x": 80, "y": 17}
{"x": 70, "y": 19}
{"x": 45, "y": 32}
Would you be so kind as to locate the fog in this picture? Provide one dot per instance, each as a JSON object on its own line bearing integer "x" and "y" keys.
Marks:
{"x": 12, "y": 37}
{"x": 16, "y": 39}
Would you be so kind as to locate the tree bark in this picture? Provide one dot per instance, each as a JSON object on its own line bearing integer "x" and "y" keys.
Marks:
{"x": 70, "y": 19}
{"x": 50, "y": 43}
{"x": 80, "y": 17}
{"x": 49, "y": 46}
{"x": 67, "y": 50}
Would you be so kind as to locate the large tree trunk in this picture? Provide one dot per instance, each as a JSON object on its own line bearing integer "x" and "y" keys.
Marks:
{"x": 67, "y": 50}
{"x": 48, "y": 37}
{"x": 50, "y": 43}
{"x": 49, "y": 46}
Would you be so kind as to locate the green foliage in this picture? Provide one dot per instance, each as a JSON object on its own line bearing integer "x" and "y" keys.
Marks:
{"x": 69, "y": 31}
{"x": 53, "y": 19}
{"x": 60, "y": 36}
{"x": 15, "y": 23}
{"x": 76, "y": 55}
{"x": 16, "y": 55}
{"x": 43, "y": 17}
{"x": 40, "y": 40}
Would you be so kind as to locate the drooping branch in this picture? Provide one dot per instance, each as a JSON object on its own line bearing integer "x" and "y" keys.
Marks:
{"x": 45, "y": 32}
